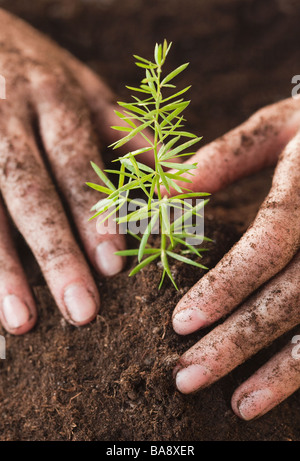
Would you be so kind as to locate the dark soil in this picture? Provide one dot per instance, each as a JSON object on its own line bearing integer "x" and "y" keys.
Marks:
{"x": 112, "y": 380}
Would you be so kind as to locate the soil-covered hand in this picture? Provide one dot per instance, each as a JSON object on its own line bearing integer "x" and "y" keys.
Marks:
{"x": 47, "y": 141}
{"x": 260, "y": 274}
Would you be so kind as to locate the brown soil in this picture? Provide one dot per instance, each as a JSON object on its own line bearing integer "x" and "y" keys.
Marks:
{"x": 112, "y": 380}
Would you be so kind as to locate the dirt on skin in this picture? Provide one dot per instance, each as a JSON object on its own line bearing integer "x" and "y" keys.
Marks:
{"x": 112, "y": 380}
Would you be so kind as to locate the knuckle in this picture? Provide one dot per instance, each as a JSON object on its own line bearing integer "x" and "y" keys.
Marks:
{"x": 23, "y": 171}
{"x": 284, "y": 224}
{"x": 55, "y": 83}
{"x": 47, "y": 78}
{"x": 25, "y": 184}
{"x": 56, "y": 254}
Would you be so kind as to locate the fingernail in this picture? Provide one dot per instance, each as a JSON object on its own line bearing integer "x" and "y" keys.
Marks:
{"x": 189, "y": 320}
{"x": 15, "y": 311}
{"x": 255, "y": 404}
{"x": 191, "y": 378}
{"x": 79, "y": 303}
{"x": 108, "y": 263}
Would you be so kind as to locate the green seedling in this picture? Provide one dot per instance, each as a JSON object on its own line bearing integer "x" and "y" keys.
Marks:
{"x": 161, "y": 116}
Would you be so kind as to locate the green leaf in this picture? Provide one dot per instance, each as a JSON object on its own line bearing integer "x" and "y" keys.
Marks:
{"x": 139, "y": 58}
{"x": 143, "y": 264}
{"x": 95, "y": 215}
{"x": 102, "y": 176}
{"x": 121, "y": 173}
{"x": 144, "y": 102}
{"x": 134, "y": 235}
{"x": 174, "y": 201}
{"x": 140, "y": 90}
{"x": 158, "y": 54}
{"x": 175, "y": 113}
{"x": 188, "y": 214}
{"x": 136, "y": 215}
{"x": 166, "y": 267}
{"x": 179, "y": 166}
{"x": 146, "y": 168}
{"x": 173, "y": 74}
{"x": 163, "y": 177}
{"x": 105, "y": 190}
{"x": 130, "y": 185}
{"x": 146, "y": 88}
{"x": 125, "y": 118}
{"x": 151, "y": 84}
{"x": 185, "y": 260}
{"x": 135, "y": 165}
{"x": 108, "y": 215}
{"x": 151, "y": 193}
{"x": 122, "y": 128}
{"x": 176, "y": 94}
{"x": 190, "y": 247}
{"x": 166, "y": 147}
{"x": 146, "y": 66}
{"x": 184, "y": 133}
{"x": 174, "y": 185}
{"x": 134, "y": 132}
{"x": 173, "y": 105}
{"x": 166, "y": 49}
{"x": 146, "y": 236}
{"x": 122, "y": 176}
{"x": 195, "y": 236}
{"x": 133, "y": 108}
{"x": 191, "y": 195}
{"x": 172, "y": 126}
{"x": 177, "y": 177}
{"x": 185, "y": 145}
{"x": 165, "y": 219}
{"x": 105, "y": 203}
{"x": 134, "y": 153}
{"x": 185, "y": 252}
{"x": 162, "y": 279}
{"x": 135, "y": 252}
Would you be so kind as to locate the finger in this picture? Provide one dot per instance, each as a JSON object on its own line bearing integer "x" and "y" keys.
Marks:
{"x": 266, "y": 247}
{"x": 71, "y": 145}
{"x": 98, "y": 95}
{"x": 102, "y": 100}
{"x": 246, "y": 149}
{"x": 35, "y": 207}
{"x": 17, "y": 307}
{"x": 270, "y": 385}
{"x": 264, "y": 317}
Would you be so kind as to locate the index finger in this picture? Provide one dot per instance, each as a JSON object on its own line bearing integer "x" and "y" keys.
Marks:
{"x": 253, "y": 145}
{"x": 267, "y": 246}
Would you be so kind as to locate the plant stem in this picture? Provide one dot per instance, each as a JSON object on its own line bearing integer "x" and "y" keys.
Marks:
{"x": 156, "y": 122}
{"x": 163, "y": 242}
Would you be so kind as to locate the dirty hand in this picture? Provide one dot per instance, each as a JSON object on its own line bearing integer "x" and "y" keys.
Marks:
{"x": 266, "y": 258}
{"x": 50, "y": 97}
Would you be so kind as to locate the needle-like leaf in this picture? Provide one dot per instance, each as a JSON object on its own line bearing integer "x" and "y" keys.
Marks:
{"x": 163, "y": 116}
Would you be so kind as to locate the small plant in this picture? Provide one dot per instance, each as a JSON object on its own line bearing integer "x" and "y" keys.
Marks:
{"x": 164, "y": 116}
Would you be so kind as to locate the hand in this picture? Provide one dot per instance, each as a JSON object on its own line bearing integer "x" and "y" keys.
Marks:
{"x": 266, "y": 258}
{"x": 50, "y": 97}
